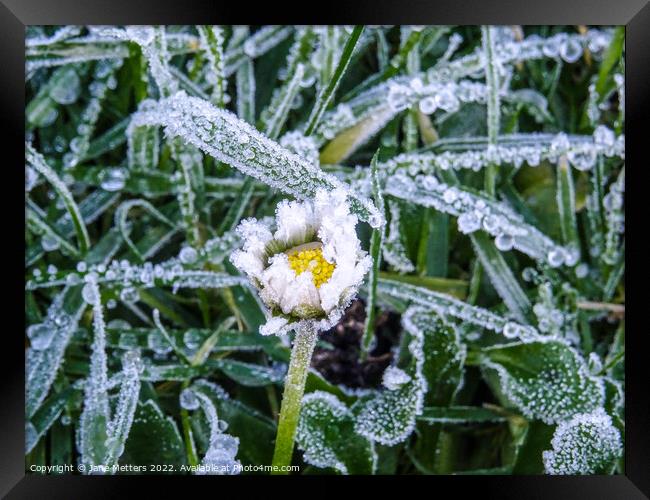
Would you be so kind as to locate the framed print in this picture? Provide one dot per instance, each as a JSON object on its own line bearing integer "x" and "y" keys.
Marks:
{"x": 391, "y": 243}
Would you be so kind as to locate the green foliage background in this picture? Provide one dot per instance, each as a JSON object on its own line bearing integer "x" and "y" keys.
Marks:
{"x": 115, "y": 208}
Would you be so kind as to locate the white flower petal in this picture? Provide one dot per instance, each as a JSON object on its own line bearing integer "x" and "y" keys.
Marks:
{"x": 275, "y": 280}
{"x": 344, "y": 278}
{"x": 294, "y": 221}
{"x": 247, "y": 262}
{"x": 299, "y": 294}
{"x": 274, "y": 326}
{"x": 255, "y": 235}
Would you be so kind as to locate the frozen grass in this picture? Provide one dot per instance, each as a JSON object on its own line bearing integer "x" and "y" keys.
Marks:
{"x": 486, "y": 165}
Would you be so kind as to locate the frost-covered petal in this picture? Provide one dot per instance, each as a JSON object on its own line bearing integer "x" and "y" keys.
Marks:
{"x": 295, "y": 222}
{"x": 283, "y": 289}
{"x": 274, "y": 325}
{"x": 247, "y": 262}
{"x": 275, "y": 279}
{"x": 301, "y": 297}
{"x": 343, "y": 278}
{"x": 255, "y": 234}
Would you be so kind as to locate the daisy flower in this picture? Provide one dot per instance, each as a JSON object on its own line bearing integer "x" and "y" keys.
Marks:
{"x": 310, "y": 268}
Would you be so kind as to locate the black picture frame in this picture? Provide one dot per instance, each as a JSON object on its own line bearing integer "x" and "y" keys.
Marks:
{"x": 634, "y": 14}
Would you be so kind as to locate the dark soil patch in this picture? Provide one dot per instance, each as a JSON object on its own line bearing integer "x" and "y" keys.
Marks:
{"x": 341, "y": 364}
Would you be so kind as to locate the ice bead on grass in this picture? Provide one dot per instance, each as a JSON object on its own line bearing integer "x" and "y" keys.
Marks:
{"x": 188, "y": 399}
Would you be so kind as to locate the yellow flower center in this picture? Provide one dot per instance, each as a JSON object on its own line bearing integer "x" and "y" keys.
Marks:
{"x": 309, "y": 257}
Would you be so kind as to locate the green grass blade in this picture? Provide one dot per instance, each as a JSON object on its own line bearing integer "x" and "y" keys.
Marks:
{"x": 327, "y": 94}
{"x": 37, "y": 161}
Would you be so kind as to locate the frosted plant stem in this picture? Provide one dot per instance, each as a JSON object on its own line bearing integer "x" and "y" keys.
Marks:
{"x": 294, "y": 388}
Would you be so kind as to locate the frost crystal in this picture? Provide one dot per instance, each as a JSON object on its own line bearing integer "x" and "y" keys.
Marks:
{"x": 326, "y": 435}
{"x": 515, "y": 149}
{"x": 217, "y": 132}
{"x": 393, "y": 250}
{"x": 96, "y": 413}
{"x": 188, "y": 399}
{"x": 301, "y": 145}
{"x": 615, "y": 218}
{"x": 552, "y": 384}
{"x": 475, "y": 212}
{"x": 588, "y": 443}
{"x": 219, "y": 459}
{"x": 394, "y": 378}
{"x": 126, "y": 278}
{"x": 42, "y": 365}
{"x": 40, "y": 335}
{"x": 119, "y": 427}
{"x": 188, "y": 255}
{"x": 448, "y": 306}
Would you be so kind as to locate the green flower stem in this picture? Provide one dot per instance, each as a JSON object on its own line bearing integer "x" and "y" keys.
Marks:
{"x": 294, "y": 388}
